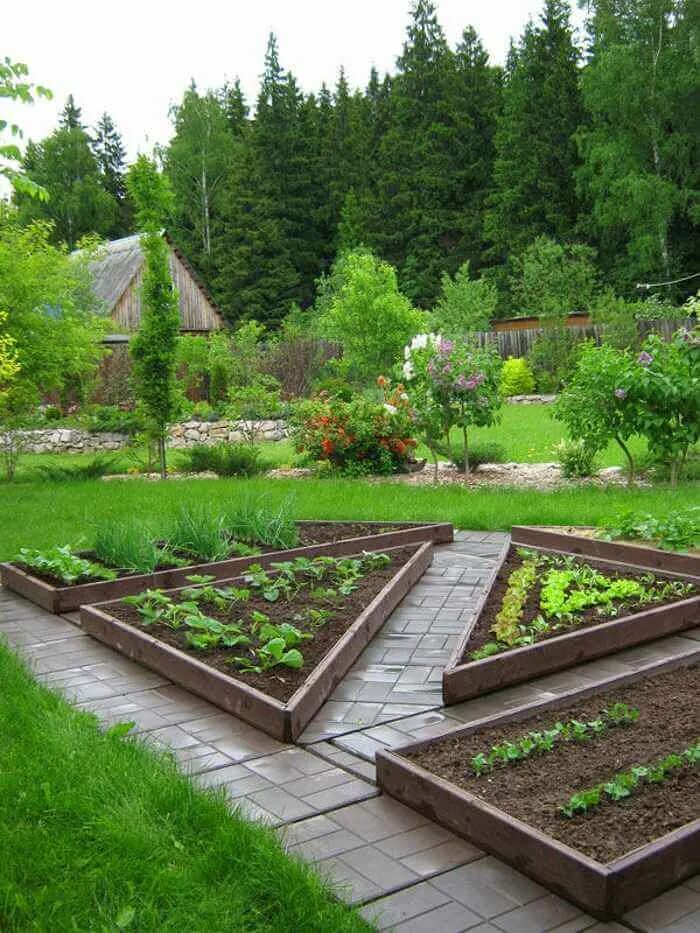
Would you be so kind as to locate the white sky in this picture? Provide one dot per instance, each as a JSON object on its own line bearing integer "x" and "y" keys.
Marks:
{"x": 133, "y": 59}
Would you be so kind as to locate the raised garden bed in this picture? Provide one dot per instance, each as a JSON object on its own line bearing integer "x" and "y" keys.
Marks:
{"x": 582, "y": 541}
{"x": 538, "y": 810}
{"x": 538, "y": 630}
{"x": 277, "y": 698}
{"x": 316, "y": 538}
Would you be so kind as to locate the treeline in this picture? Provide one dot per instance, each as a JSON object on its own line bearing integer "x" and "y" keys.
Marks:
{"x": 449, "y": 160}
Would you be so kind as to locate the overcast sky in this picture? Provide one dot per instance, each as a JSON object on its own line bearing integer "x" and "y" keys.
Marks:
{"x": 133, "y": 59}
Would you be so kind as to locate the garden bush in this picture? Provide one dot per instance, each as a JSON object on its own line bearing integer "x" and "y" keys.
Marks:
{"x": 517, "y": 377}
{"x": 551, "y": 357}
{"x": 480, "y": 452}
{"x": 112, "y": 419}
{"x": 359, "y": 437}
{"x": 576, "y": 458}
{"x": 92, "y": 468}
{"x": 223, "y": 459}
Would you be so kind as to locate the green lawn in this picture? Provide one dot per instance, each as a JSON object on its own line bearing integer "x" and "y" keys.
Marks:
{"x": 40, "y": 514}
{"x": 100, "y": 833}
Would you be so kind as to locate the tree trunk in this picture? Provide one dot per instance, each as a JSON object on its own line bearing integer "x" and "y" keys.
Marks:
{"x": 630, "y": 461}
{"x": 161, "y": 457}
{"x": 466, "y": 452}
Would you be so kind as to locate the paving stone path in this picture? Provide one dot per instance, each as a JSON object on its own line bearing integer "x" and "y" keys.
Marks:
{"x": 405, "y": 872}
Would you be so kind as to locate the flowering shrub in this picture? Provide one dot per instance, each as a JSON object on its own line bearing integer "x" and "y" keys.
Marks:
{"x": 451, "y": 384}
{"x": 359, "y": 437}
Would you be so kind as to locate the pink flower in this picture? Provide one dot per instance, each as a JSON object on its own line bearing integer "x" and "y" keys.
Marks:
{"x": 645, "y": 358}
{"x": 621, "y": 393}
{"x": 446, "y": 346}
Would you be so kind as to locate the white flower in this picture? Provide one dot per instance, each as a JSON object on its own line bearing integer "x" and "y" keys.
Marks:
{"x": 408, "y": 370}
{"x": 390, "y": 408}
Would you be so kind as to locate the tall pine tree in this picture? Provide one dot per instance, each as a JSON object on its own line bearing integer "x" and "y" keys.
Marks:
{"x": 109, "y": 151}
{"x": 534, "y": 185}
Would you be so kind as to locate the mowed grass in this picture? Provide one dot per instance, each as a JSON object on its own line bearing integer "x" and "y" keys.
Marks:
{"x": 43, "y": 514}
{"x": 99, "y": 833}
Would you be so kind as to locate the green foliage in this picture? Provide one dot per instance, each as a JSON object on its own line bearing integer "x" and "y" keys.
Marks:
{"x": 15, "y": 87}
{"x": 112, "y": 419}
{"x": 261, "y": 524}
{"x": 576, "y": 458}
{"x": 364, "y": 311}
{"x": 533, "y": 183}
{"x": 62, "y": 563}
{"x": 668, "y": 377}
{"x": 601, "y": 400}
{"x": 516, "y": 377}
{"x": 252, "y": 403}
{"x": 465, "y": 305}
{"x": 624, "y": 783}
{"x": 543, "y": 742}
{"x": 199, "y": 532}
{"x": 677, "y": 530}
{"x": 155, "y": 345}
{"x": 94, "y": 467}
{"x": 479, "y": 452}
{"x": 552, "y": 280}
{"x": 223, "y": 459}
{"x": 551, "y": 357}
{"x": 51, "y": 320}
{"x": 357, "y": 437}
{"x": 128, "y": 545}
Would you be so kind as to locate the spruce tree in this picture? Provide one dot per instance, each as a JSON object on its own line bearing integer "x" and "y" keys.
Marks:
{"x": 71, "y": 116}
{"x": 109, "y": 151}
{"x": 534, "y": 184}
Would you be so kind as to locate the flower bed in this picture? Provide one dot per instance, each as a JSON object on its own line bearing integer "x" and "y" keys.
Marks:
{"x": 582, "y": 541}
{"x": 545, "y": 611}
{"x": 267, "y": 647}
{"x": 314, "y": 538}
{"x": 594, "y": 794}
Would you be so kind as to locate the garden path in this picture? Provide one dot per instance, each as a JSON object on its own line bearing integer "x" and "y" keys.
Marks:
{"x": 405, "y": 872}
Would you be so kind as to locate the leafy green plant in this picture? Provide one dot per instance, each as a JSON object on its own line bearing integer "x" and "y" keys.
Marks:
{"x": 541, "y": 742}
{"x": 128, "y": 545}
{"x": 62, "y": 563}
{"x": 576, "y": 458}
{"x": 92, "y": 468}
{"x": 254, "y": 523}
{"x": 199, "y": 532}
{"x": 624, "y": 783}
{"x": 223, "y": 459}
{"x": 678, "y": 530}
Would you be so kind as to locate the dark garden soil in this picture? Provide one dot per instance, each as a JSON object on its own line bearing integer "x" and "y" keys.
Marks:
{"x": 532, "y": 789}
{"x": 309, "y": 533}
{"x": 279, "y": 682}
{"x": 481, "y": 632}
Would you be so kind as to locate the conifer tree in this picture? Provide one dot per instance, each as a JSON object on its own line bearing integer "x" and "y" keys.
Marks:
{"x": 71, "y": 115}
{"x": 534, "y": 186}
{"x": 109, "y": 151}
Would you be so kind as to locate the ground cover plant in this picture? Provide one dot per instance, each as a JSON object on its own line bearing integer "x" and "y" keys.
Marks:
{"x": 270, "y": 627}
{"x": 603, "y": 774}
{"x": 60, "y": 563}
{"x": 100, "y": 832}
{"x": 539, "y": 595}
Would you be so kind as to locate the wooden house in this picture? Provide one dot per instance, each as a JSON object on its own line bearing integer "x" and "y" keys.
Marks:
{"x": 117, "y": 277}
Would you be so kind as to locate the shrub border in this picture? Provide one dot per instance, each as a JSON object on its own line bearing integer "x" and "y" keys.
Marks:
{"x": 60, "y": 599}
{"x": 605, "y": 890}
{"x": 284, "y": 721}
{"x": 462, "y": 680}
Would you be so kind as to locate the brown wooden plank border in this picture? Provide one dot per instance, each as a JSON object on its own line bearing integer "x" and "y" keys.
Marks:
{"x": 284, "y": 721}
{"x": 603, "y": 890}
{"x": 554, "y": 538}
{"x": 462, "y": 680}
{"x": 68, "y": 598}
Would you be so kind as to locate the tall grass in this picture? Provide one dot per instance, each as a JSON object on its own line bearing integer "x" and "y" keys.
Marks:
{"x": 127, "y": 545}
{"x": 99, "y": 832}
{"x": 199, "y": 531}
{"x": 254, "y": 523}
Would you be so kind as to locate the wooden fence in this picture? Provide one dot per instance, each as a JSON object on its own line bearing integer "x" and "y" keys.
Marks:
{"x": 519, "y": 342}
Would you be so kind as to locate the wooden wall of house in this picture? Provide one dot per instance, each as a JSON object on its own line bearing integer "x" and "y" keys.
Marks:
{"x": 196, "y": 310}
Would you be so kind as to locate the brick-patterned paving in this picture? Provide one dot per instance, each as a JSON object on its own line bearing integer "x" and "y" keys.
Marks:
{"x": 405, "y": 872}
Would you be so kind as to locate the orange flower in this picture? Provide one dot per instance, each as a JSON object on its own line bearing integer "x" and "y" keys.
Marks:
{"x": 382, "y": 381}
{"x": 327, "y": 446}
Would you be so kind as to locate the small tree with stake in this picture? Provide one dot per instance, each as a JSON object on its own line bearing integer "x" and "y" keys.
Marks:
{"x": 155, "y": 345}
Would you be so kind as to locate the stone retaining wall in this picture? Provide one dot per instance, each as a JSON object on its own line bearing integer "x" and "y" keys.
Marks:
{"x": 186, "y": 434}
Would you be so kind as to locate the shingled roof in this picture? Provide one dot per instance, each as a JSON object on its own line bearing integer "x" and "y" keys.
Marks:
{"x": 111, "y": 274}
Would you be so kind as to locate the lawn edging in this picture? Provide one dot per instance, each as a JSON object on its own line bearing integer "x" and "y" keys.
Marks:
{"x": 605, "y": 890}
{"x": 59, "y": 599}
{"x": 283, "y": 721}
{"x": 463, "y": 680}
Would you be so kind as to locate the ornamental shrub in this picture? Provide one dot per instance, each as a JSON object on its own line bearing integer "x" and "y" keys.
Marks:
{"x": 359, "y": 437}
{"x": 516, "y": 377}
{"x": 451, "y": 385}
{"x": 576, "y": 458}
